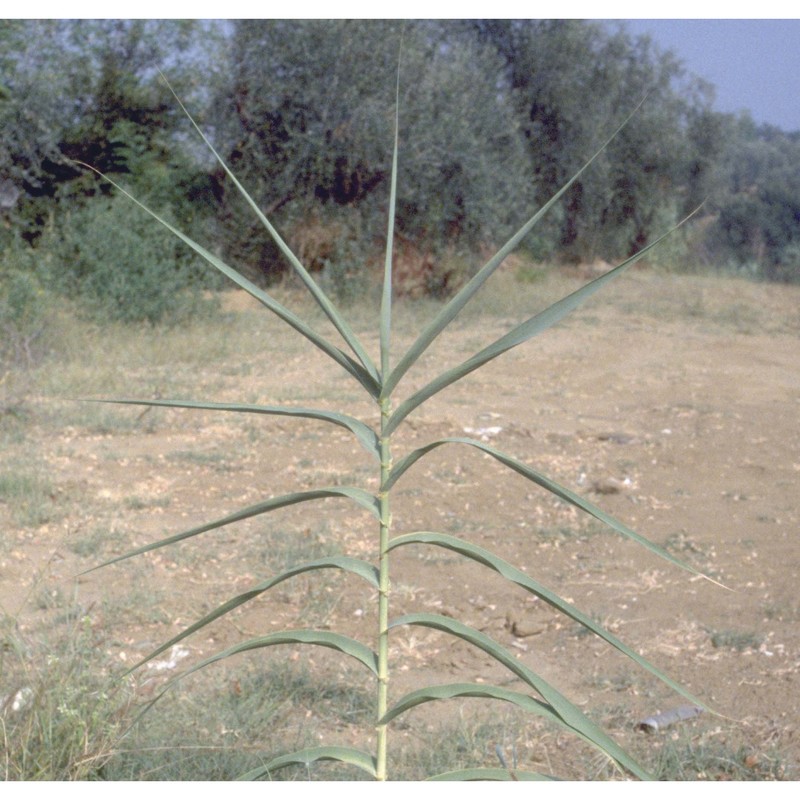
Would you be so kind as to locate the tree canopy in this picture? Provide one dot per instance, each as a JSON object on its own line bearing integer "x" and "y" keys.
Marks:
{"x": 495, "y": 116}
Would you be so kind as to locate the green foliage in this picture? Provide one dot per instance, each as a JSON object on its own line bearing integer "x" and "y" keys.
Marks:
{"x": 60, "y": 717}
{"x": 27, "y": 329}
{"x": 493, "y": 109}
{"x": 118, "y": 268}
{"x": 23, "y": 308}
{"x": 311, "y": 144}
{"x": 380, "y": 381}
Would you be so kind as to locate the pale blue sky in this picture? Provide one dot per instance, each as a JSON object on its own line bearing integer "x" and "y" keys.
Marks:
{"x": 754, "y": 63}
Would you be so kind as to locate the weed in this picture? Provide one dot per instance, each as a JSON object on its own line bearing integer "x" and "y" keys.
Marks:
{"x": 711, "y": 761}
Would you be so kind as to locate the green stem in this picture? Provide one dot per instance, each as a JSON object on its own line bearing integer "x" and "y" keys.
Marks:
{"x": 383, "y": 593}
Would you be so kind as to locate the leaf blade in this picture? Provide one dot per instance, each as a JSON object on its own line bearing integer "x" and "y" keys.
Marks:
{"x": 546, "y": 483}
{"x": 521, "y": 579}
{"x": 324, "y": 302}
{"x": 518, "y": 335}
{"x": 454, "y": 306}
{"x": 449, "y": 691}
{"x": 365, "y": 435}
{"x": 330, "y": 639}
{"x": 362, "y": 498}
{"x": 571, "y": 715}
{"x": 344, "y": 755}
{"x": 357, "y": 370}
{"x": 346, "y": 563}
{"x": 386, "y": 294}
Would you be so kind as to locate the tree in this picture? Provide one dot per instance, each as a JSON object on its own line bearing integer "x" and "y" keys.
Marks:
{"x": 573, "y": 83}
{"x": 309, "y": 118}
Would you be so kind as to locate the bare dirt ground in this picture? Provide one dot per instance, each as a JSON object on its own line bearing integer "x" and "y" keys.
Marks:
{"x": 671, "y": 402}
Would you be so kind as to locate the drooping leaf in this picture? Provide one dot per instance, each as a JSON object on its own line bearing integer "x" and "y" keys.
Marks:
{"x": 536, "y": 477}
{"x": 518, "y": 335}
{"x": 523, "y": 580}
{"x": 364, "y": 499}
{"x": 483, "y": 690}
{"x": 365, "y": 435}
{"x": 569, "y": 713}
{"x": 346, "y": 563}
{"x": 344, "y": 755}
{"x": 334, "y": 641}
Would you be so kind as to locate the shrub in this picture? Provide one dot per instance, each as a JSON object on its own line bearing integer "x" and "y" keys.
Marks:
{"x": 117, "y": 268}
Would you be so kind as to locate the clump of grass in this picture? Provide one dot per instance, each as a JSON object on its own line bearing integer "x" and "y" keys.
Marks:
{"x": 736, "y": 640}
{"x": 61, "y": 715}
{"x": 29, "y": 494}
{"x": 713, "y": 761}
{"x": 228, "y": 723}
{"x": 380, "y": 378}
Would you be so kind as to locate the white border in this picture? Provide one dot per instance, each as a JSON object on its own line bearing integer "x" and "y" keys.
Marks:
{"x": 408, "y": 9}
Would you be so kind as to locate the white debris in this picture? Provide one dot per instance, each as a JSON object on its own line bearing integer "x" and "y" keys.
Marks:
{"x": 484, "y": 433}
{"x": 18, "y": 700}
{"x": 176, "y": 654}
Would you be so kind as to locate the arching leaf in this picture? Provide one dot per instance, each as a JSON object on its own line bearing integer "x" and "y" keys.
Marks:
{"x": 364, "y": 499}
{"x": 536, "y": 477}
{"x": 365, "y": 435}
{"x": 569, "y": 713}
{"x": 344, "y": 755}
{"x": 523, "y": 580}
{"x": 353, "y": 565}
{"x": 330, "y": 639}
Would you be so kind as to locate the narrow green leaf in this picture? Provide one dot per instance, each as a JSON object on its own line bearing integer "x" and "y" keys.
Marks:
{"x": 324, "y": 302}
{"x": 361, "y": 568}
{"x": 364, "y": 499}
{"x": 491, "y": 774}
{"x": 363, "y": 376}
{"x": 449, "y": 312}
{"x": 386, "y": 297}
{"x": 365, "y": 435}
{"x": 483, "y": 690}
{"x": 518, "y": 335}
{"x": 570, "y": 714}
{"x": 334, "y": 641}
{"x": 546, "y": 483}
{"x": 518, "y": 577}
{"x": 344, "y": 755}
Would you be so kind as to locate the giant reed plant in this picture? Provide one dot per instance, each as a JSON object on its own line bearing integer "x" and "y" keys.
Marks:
{"x": 381, "y": 380}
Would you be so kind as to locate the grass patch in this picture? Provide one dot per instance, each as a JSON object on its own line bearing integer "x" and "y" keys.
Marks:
{"x": 237, "y": 721}
{"x": 29, "y": 494}
{"x": 706, "y": 760}
{"x": 61, "y": 716}
{"x": 736, "y": 640}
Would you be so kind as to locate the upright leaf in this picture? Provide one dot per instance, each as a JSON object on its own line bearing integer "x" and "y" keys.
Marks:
{"x": 324, "y": 302}
{"x": 449, "y": 312}
{"x": 518, "y": 335}
{"x": 366, "y": 378}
